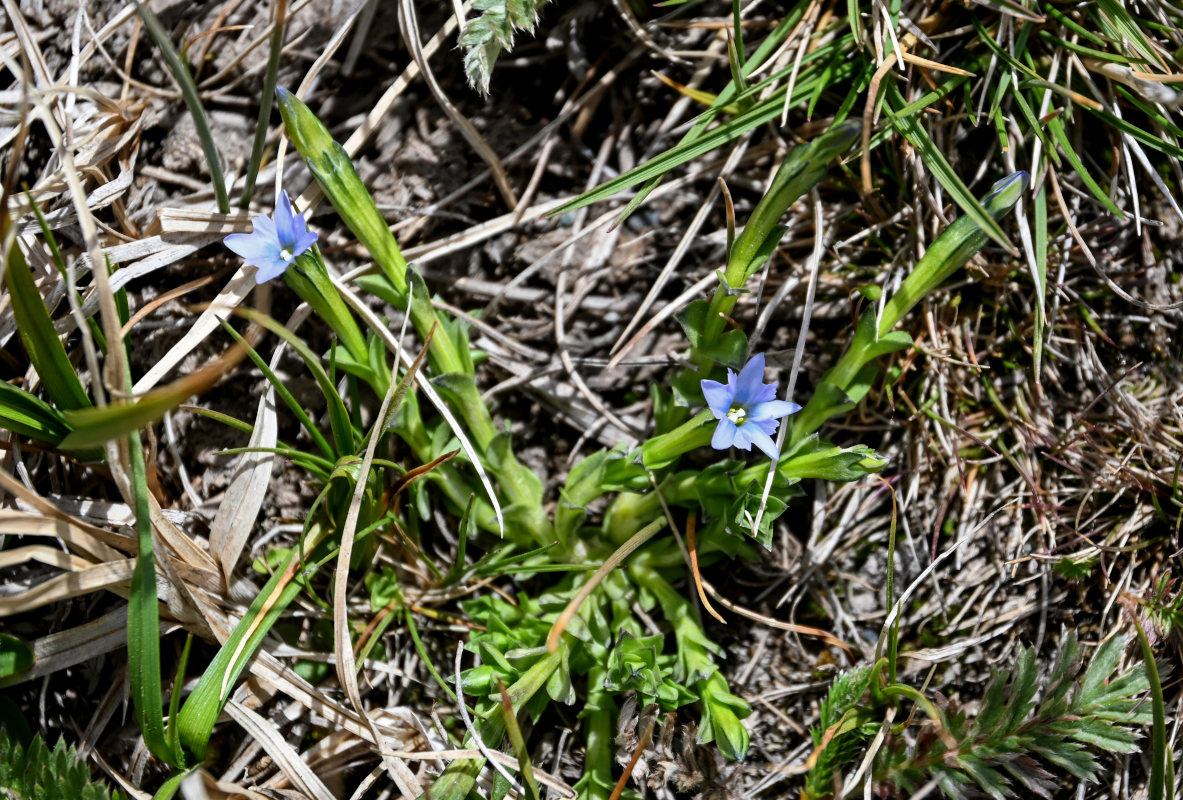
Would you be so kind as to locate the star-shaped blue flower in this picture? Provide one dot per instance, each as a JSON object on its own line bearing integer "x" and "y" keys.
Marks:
{"x": 747, "y": 409}
{"x": 275, "y": 243}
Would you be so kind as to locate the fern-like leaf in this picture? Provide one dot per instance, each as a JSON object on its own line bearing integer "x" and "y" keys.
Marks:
{"x": 840, "y": 705}
{"x": 38, "y": 773}
{"x": 1010, "y": 745}
{"x": 487, "y": 35}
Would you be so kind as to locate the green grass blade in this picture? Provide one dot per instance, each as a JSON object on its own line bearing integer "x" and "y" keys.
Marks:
{"x": 174, "y": 702}
{"x": 36, "y": 330}
{"x": 200, "y": 712}
{"x": 1063, "y": 19}
{"x": 757, "y": 115}
{"x": 926, "y": 100}
{"x": 1160, "y": 758}
{"x": 94, "y": 426}
{"x": 342, "y": 428}
{"x": 225, "y": 419}
{"x": 28, "y": 415}
{"x": 51, "y": 241}
{"x": 317, "y": 467}
{"x": 1056, "y": 127}
{"x": 281, "y": 389}
{"x": 1145, "y": 137}
{"x": 525, "y": 766}
{"x": 1116, "y": 21}
{"x": 143, "y": 620}
{"x": 168, "y": 790}
{"x": 723, "y": 99}
{"x": 59, "y": 261}
{"x": 184, "y": 79}
{"x": 269, "y": 81}
{"x": 936, "y": 162}
{"x": 1041, "y": 240}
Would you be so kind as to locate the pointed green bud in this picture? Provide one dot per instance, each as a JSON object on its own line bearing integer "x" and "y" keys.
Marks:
{"x": 952, "y": 249}
{"x": 333, "y": 170}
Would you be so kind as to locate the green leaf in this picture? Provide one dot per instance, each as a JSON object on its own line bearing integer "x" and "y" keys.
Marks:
{"x": 37, "y": 333}
{"x": 729, "y": 349}
{"x": 746, "y": 507}
{"x": 828, "y": 462}
{"x": 1103, "y": 664}
{"x": 34, "y": 772}
{"x": 28, "y": 415}
{"x": 15, "y": 656}
{"x": 484, "y": 37}
{"x": 721, "y": 711}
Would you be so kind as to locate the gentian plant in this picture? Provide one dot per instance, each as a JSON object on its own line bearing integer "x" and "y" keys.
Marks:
{"x": 436, "y": 451}
{"x": 407, "y": 447}
{"x": 577, "y": 641}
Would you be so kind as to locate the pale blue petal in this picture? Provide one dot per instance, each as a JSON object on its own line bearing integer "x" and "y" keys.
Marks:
{"x": 304, "y": 240}
{"x": 252, "y": 247}
{"x": 743, "y": 438}
{"x": 764, "y": 394}
{"x": 763, "y": 441}
{"x": 724, "y": 435}
{"x": 265, "y": 227}
{"x": 773, "y": 409}
{"x": 270, "y": 269}
{"x": 284, "y": 224}
{"x": 767, "y": 426}
{"x": 718, "y": 397}
{"x": 750, "y": 381}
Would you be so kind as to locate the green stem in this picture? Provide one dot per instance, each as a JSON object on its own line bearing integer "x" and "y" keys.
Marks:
{"x": 955, "y": 246}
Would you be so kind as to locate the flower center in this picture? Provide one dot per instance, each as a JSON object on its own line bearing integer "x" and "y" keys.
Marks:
{"x": 285, "y": 254}
{"x": 737, "y": 414}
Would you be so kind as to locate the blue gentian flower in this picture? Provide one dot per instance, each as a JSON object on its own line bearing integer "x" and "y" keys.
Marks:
{"x": 275, "y": 243}
{"x": 747, "y": 409}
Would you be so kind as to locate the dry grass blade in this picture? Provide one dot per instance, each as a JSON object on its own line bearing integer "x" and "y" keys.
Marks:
{"x": 109, "y": 575}
{"x": 235, "y": 291}
{"x": 287, "y": 759}
{"x": 772, "y": 622}
{"x": 89, "y": 540}
{"x": 692, "y": 547}
{"x": 342, "y": 644}
{"x": 236, "y": 514}
{"x": 612, "y": 562}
